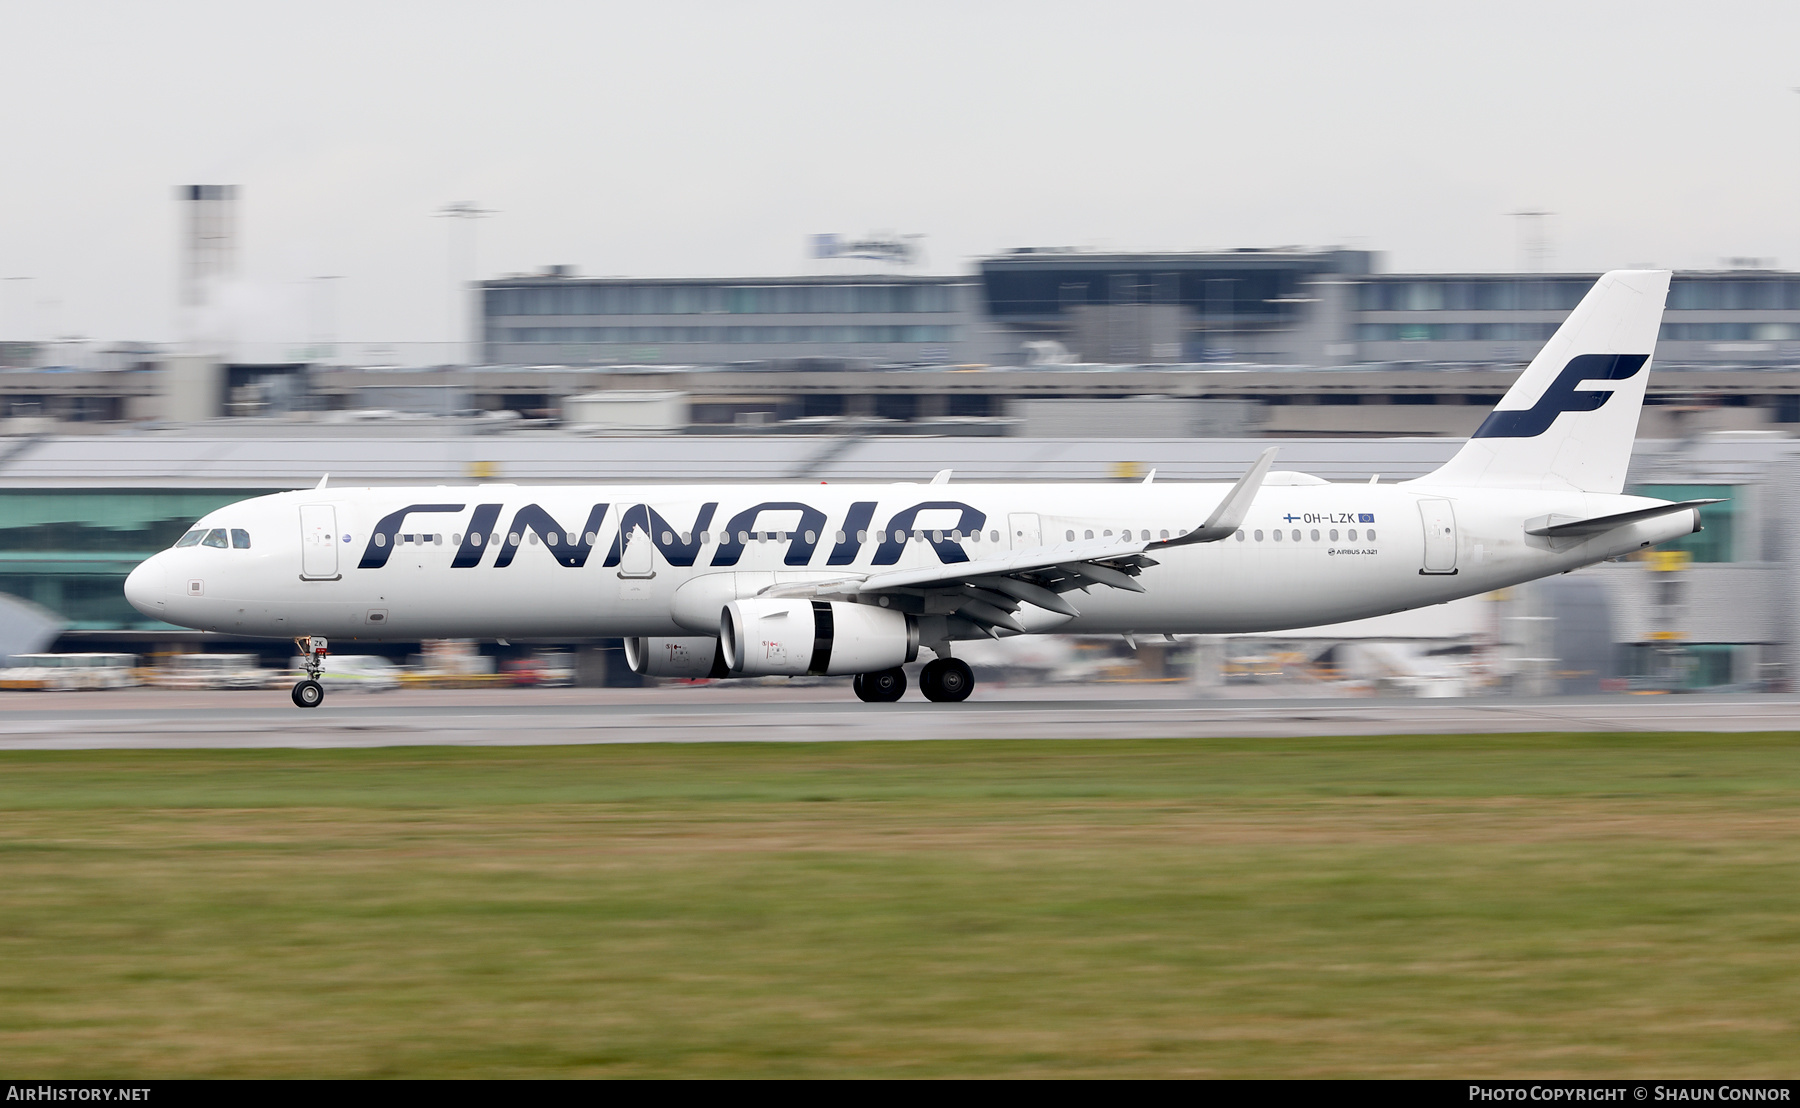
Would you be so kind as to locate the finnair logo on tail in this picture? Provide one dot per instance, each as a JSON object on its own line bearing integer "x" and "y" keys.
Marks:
{"x": 1562, "y": 396}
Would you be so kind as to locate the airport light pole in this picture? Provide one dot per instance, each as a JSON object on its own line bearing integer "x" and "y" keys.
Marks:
{"x": 461, "y": 212}
{"x": 324, "y": 337}
{"x": 23, "y": 322}
{"x": 1534, "y": 240}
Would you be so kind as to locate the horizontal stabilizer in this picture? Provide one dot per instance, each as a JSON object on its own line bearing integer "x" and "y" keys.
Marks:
{"x": 1599, "y": 524}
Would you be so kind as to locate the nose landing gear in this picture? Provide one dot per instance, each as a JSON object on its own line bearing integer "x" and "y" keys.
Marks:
{"x": 309, "y": 693}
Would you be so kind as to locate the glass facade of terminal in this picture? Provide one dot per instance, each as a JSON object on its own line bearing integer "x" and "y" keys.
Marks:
{"x": 1218, "y": 289}
{"x": 733, "y": 335}
{"x": 558, "y": 319}
{"x": 1725, "y": 318}
{"x": 1530, "y": 292}
{"x": 574, "y": 297}
{"x": 70, "y": 550}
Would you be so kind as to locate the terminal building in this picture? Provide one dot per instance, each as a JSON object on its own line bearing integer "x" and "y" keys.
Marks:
{"x": 558, "y": 318}
{"x": 1289, "y": 308}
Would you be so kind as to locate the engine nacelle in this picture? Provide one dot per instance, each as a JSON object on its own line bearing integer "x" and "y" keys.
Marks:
{"x": 788, "y": 638}
{"x": 685, "y": 657}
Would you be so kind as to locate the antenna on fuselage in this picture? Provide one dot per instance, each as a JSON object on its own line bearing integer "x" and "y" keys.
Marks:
{"x": 322, "y": 481}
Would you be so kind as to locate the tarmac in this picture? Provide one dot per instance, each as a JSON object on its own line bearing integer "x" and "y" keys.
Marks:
{"x": 164, "y": 719}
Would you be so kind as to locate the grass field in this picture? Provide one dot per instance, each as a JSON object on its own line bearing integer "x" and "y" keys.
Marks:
{"x": 1431, "y": 906}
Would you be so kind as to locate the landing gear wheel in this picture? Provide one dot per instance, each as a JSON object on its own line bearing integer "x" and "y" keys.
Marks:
{"x": 928, "y": 678}
{"x": 309, "y": 694}
{"x": 946, "y": 680}
{"x": 882, "y": 687}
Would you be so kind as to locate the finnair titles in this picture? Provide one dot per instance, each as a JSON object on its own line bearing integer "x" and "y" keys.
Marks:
{"x": 756, "y": 580}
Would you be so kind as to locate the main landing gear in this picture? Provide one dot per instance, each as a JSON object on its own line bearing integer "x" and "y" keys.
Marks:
{"x": 882, "y": 687}
{"x": 946, "y": 680}
{"x": 309, "y": 693}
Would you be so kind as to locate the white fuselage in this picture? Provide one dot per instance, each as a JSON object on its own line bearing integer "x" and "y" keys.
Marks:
{"x": 323, "y": 562}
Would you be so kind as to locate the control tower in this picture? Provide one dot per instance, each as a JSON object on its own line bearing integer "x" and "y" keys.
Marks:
{"x": 208, "y": 260}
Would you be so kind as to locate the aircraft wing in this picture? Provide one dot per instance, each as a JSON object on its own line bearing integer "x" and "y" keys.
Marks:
{"x": 988, "y": 592}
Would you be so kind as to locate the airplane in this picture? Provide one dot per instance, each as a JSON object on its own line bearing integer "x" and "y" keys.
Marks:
{"x": 749, "y": 580}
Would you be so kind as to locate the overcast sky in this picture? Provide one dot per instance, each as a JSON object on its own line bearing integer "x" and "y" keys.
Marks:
{"x": 712, "y": 138}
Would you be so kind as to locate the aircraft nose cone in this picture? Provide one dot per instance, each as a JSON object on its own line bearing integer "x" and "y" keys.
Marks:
{"x": 146, "y": 588}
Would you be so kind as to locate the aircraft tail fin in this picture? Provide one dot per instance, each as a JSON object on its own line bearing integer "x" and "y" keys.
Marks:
{"x": 1569, "y": 421}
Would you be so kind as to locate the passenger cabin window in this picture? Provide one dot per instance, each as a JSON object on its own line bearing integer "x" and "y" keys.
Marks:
{"x": 192, "y": 538}
{"x": 240, "y": 539}
{"x": 216, "y": 537}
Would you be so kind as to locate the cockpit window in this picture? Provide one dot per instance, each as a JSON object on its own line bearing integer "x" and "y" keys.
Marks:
{"x": 216, "y": 537}
{"x": 240, "y": 539}
{"x": 192, "y": 538}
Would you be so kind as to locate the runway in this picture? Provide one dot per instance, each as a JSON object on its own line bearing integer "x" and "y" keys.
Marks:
{"x": 159, "y": 719}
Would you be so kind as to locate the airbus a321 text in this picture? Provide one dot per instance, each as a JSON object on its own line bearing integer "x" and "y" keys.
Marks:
{"x": 756, "y": 580}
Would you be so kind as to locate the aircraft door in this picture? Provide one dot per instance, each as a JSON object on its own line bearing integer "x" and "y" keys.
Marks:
{"x": 1026, "y": 531}
{"x": 639, "y": 556}
{"x": 1439, "y": 518}
{"x": 637, "y": 565}
{"x": 318, "y": 542}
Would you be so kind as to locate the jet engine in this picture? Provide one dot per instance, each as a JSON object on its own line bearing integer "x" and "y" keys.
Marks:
{"x": 685, "y": 657}
{"x": 775, "y": 638}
